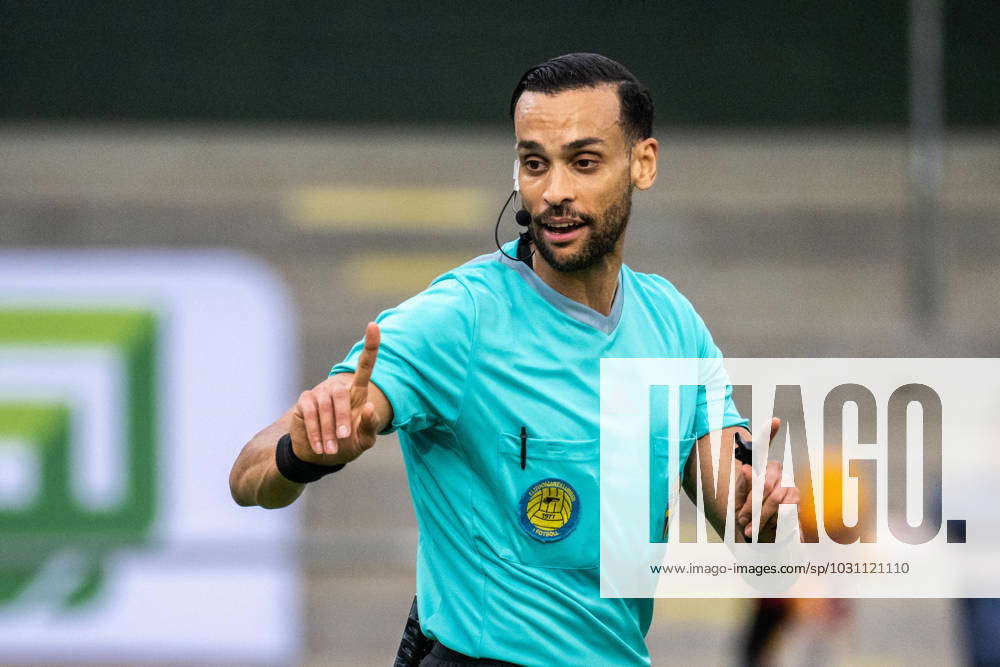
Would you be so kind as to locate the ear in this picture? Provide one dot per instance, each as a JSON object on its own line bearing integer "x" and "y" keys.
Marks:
{"x": 643, "y": 166}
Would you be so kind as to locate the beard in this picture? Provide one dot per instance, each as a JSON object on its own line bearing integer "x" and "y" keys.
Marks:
{"x": 604, "y": 232}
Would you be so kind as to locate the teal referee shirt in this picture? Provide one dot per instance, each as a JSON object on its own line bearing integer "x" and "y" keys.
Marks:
{"x": 507, "y": 560}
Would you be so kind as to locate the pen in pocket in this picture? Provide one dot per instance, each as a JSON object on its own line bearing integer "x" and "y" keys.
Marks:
{"x": 524, "y": 447}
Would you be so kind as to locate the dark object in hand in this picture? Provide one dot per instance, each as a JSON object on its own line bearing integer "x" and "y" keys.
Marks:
{"x": 742, "y": 453}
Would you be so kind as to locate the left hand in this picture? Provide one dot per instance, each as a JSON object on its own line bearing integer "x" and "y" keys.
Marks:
{"x": 774, "y": 496}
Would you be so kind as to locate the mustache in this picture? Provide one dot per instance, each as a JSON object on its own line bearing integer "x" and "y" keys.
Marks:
{"x": 560, "y": 211}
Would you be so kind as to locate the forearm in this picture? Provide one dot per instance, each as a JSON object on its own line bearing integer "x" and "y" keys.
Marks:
{"x": 254, "y": 479}
{"x": 715, "y": 494}
{"x": 716, "y": 516}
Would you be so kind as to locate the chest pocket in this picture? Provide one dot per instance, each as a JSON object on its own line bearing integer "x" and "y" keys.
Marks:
{"x": 551, "y": 508}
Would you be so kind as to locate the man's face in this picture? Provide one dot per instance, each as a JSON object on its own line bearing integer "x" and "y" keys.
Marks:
{"x": 575, "y": 174}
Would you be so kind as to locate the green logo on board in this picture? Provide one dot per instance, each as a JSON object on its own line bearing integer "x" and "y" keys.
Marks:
{"x": 53, "y": 541}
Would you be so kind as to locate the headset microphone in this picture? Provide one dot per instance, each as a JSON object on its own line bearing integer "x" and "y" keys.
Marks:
{"x": 522, "y": 218}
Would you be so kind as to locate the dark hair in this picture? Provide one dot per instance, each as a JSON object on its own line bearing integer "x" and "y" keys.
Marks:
{"x": 587, "y": 70}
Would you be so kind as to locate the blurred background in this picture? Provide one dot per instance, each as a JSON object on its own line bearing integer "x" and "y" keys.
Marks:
{"x": 829, "y": 186}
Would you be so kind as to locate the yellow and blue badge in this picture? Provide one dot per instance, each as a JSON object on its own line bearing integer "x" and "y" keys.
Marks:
{"x": 549, "y": 510}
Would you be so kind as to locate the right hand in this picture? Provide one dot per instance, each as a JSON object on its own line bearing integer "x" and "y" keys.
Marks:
{"x": 334, "y": 422}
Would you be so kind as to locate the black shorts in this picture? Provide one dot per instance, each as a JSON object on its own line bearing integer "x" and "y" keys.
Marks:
{"x": 441, "y": 656}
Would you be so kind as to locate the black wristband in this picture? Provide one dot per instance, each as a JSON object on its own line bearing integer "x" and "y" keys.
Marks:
{"x": 295, "y": 469}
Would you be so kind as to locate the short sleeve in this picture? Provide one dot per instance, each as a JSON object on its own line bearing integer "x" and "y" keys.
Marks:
{"x": 424, "y": 355}
{"x": 715, "y": 408}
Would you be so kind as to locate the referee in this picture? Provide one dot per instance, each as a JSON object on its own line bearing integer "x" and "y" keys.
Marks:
{"x": 491, "y": 376}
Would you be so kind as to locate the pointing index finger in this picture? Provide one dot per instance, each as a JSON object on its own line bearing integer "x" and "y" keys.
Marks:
{"x": 363, "y": 373}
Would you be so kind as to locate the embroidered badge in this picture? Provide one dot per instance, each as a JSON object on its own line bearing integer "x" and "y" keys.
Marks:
{"x": 549, "y": 510}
